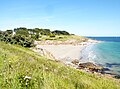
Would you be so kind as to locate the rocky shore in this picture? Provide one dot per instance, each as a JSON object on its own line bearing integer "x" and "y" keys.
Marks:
{"x": 68, "y": 52}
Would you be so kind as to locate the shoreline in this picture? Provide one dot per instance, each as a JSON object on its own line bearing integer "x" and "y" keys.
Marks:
{"x": 68, "y": 53}
{"x": 63, "y": 51}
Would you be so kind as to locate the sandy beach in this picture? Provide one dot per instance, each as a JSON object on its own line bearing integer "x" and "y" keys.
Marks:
{"x": 64, "y": 53}
{"x": 70, "y": 55}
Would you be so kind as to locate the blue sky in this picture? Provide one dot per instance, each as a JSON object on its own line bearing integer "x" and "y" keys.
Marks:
{"x": 81, "y": 17}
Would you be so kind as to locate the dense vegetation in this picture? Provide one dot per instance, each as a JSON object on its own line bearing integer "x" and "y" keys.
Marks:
{"x": 21, "y": 68}
{"x": 25, "y": 37}
{"x": 57, "y": 32}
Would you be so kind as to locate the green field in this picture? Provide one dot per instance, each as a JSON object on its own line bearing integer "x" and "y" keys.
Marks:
{"x": 21, "y": 68}
{"x": 63, "y": 38}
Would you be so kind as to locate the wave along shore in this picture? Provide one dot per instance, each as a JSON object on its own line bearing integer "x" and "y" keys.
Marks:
{"x": 69, "y": 54}
{"x": 65, "y": 52}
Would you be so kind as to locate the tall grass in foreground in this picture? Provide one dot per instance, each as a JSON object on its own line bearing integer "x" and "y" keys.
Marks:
{"x": 21, "y": 68}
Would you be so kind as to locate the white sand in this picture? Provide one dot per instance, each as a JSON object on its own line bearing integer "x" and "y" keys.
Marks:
{"x": 63, "y": 52}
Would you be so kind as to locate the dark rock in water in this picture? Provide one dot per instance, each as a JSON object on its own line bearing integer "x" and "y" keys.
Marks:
{"x": 112, "y": 64}
{"x": 91, "y": 66}
{"x": 86, "y": 65}
{"x": 117, "y": 76}
{"x": 76, "y": 62}
{"x": 113, "y": 74}
{"x": 105, "y": 69}
{"x": 108, "y": 65}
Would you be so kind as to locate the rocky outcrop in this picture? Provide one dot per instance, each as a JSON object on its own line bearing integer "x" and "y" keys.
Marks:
{"x": 76, "y": 62}
{"x": 91, "y": 67}
{"x": 117, "y": 76}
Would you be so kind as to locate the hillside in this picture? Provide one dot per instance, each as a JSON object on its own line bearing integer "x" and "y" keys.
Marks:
{"x": 21, "y": 68}
{"x": 26, "y": 37}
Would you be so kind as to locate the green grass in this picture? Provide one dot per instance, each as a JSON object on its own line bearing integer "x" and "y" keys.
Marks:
{"x": 21, "y": 68}
{"x": 63, "y": 38}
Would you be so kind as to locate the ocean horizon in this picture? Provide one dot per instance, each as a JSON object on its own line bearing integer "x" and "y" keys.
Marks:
{"x": 106, "y": 53}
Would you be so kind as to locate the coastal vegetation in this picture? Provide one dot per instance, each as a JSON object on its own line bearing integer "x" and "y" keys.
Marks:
{"x": 26, "y": 37}
{"x": 21, "y": 68}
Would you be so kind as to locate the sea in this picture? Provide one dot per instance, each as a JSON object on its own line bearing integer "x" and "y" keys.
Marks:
{"x": 106, "y": 53}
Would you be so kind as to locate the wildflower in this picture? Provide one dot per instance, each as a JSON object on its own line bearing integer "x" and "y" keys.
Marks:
{"x": 46, "y": 68}
{"x": 27, "y": 77}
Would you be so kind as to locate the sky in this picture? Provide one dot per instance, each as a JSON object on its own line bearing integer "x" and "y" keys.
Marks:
{"x": 80, "y": 17}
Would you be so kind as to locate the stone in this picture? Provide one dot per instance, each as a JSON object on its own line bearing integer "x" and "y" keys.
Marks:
{"x": 91, "y": 67}
{"x": 76, "y": 62}
{"x": 105, "y": 69}
{"x": 87, "y": 65}
{"x": 117, "y": 76}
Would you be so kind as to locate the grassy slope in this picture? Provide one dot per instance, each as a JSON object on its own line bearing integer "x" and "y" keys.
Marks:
{"x": 17, "y": 62}
{"x": 62, "y": 37}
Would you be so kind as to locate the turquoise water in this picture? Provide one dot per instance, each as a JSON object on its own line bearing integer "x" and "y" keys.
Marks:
{"x": 106, "y": 54}
{"x": 108, "y": 39}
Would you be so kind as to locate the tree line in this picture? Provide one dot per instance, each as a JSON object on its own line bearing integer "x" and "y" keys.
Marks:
{"x": 26, "y": 37}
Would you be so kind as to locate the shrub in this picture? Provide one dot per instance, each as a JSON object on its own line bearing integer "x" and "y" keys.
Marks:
{"x": 58, "y": 32}
{"x": 17, "y": 39}
{"x": 52, "y": 35}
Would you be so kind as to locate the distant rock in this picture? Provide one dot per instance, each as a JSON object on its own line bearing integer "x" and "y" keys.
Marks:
{"x": 113, "y": 64}
{"x": 91, "y": 67}
{"x": 105, "y": 69}
{"x": 86, "y": 65}
{"x": 117, "y": 76}
{"x": 76, "y": 62}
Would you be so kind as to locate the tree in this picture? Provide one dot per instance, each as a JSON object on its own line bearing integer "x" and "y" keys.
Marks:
{"x": 22, "y": 32}
{"x": 9, "y": 31}
{"x": 58, "y": 32}
{"x": 47, "y": 31}
{"x": 21, "y": 28}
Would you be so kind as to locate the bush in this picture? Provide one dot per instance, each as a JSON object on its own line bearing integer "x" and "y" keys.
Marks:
{"x": 17, "y": 39}
{"x": 52, "y": 35}
{"x": 58, "y": 32}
